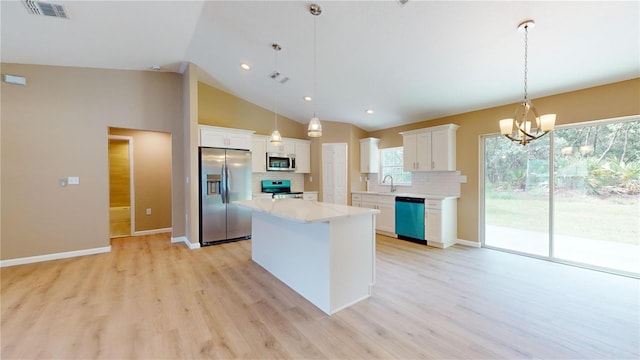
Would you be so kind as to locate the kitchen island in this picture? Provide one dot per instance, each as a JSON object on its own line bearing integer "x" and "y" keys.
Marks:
{"x": 325, "y": 252}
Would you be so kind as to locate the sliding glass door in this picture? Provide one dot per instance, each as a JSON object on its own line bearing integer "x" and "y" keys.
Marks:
{"x": 596, "y": 208}
{"x": 517, "y": 196}
{"x": 585, "y": 211}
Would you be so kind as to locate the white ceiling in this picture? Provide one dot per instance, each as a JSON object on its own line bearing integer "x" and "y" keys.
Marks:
{"x": 412, "y": 62}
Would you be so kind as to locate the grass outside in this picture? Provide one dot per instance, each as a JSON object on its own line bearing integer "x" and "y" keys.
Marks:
{"x": 613, "y": 219}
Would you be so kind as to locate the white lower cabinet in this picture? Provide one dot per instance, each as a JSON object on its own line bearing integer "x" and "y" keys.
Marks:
{"x": 386, "y": 219}
{"x": 310, "y": 196}
{"x": 440, "y": 222}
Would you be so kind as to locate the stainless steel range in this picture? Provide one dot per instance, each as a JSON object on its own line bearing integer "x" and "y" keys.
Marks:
{"x": 280, "y": 189}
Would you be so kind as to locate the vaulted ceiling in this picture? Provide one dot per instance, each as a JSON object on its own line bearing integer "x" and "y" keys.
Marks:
{"x": 408, "y": 62}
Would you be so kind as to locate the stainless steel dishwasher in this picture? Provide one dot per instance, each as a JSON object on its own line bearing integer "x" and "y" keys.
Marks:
{"x": 410, "y": 219}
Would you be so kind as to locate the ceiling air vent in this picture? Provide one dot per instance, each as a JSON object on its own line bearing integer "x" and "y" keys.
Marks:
{"x": 44, "y": 8}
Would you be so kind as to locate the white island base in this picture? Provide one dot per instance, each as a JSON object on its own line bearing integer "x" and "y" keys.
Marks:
{"x": 329, "y": 260}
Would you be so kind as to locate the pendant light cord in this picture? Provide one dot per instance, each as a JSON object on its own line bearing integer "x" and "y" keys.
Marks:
{"x": 315, "y": 64}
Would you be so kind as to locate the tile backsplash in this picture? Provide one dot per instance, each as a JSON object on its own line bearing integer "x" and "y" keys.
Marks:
{"x": 441, "y": 183}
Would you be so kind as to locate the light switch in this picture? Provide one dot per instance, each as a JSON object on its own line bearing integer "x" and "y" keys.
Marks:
{"x": 73, "y": 180}
{"x": 148, "y": 212}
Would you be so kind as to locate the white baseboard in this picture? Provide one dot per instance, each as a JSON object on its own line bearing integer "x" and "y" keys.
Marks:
{"x": 152, "y": 232}
{"x": 183, "y": 239}
{"x": 468, "y": 243}
{"x": 56, "y": 256}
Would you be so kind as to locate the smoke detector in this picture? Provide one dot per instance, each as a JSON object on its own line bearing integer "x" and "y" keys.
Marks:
{"x": 45, "y": 9}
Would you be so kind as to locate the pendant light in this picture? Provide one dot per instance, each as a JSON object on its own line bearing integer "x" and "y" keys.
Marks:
{"x": 522, "y": 128}
{"x": 315, "y": 128}
{"x": 276, "y": 139}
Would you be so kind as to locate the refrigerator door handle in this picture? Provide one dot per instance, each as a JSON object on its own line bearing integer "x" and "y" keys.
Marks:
{"x": 223, "y": 185}
{"x": 227, "y": 185}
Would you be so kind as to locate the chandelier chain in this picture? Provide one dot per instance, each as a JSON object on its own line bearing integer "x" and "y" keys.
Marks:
{"x": 526, "y": 51}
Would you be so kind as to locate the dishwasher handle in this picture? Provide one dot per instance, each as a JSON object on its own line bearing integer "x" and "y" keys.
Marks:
{"x": 409, "y": 199}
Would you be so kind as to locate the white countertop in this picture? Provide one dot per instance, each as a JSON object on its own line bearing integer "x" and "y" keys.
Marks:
{"x": 304, "y": 211}
{"x": 416, "y": 195}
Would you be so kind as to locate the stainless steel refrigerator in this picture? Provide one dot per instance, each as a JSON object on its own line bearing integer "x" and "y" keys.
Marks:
{"x": 225, "y": 176}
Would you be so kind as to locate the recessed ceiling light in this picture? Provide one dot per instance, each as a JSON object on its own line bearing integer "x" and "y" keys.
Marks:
{"x": 369, "y": 111}
{"x": 307, "y": 98}
{"x": 245, "y": 66}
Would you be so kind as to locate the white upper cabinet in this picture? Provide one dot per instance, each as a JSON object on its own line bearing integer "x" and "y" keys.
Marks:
{"x": 259, "y": 153}
{"x": 213, "y": 136}
{"x": 303, "y": 156}
{"x": 430, "y": 149}
{"x": 287, "y": 146}
{"x": 369, "y": 155}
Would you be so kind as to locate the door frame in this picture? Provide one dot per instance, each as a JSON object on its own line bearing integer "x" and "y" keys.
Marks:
{"x": 132, "y": 206}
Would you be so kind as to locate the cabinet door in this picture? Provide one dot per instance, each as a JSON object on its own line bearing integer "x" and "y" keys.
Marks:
{"x": 364, "y": 158}
{"x": 238, "y": 141}
{"x": 286, "y": 147}
{"x": 258, "y": 154}
{"x": 409, "y": 152}
{"x": 387, "y": 218}
{"x": 213, "y": 138}
{"x": 369, "y": 155}
{"x": 423, "y": 152}
{"x": 441, "y": 155}
{"x": 303, "y": 157}
{"x": 432, "y": 221}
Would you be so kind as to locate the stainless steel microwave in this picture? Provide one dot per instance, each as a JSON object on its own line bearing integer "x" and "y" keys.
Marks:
{"x": 281, "y": 162}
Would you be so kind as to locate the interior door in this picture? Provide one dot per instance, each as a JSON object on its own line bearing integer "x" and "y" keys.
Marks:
{"x": 334, "y": 173}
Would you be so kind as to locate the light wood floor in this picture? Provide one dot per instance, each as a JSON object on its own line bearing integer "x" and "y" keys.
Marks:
{"x": 151, "y": 299}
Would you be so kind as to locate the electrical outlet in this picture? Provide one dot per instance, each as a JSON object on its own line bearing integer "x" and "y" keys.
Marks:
{"x": 310, "y": 178}
{"x": 148, "y": 211}
{"x": 73, "y": 180}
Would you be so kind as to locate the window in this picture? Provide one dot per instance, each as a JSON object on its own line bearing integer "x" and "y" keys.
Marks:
{"x": 391, "y": 164}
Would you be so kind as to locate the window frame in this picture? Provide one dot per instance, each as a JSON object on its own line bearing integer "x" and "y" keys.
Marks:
{"x": 399, "y": 178}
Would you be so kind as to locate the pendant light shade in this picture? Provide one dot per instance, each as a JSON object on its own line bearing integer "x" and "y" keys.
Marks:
{"x": 276, "y": 139}
{"x": 315, "y": 127}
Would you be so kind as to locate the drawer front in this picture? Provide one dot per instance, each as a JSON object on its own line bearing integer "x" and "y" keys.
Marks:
{"x": 356, "y": 197}
{"x": 433, "y": 204}
{"x": 370, "y": 198}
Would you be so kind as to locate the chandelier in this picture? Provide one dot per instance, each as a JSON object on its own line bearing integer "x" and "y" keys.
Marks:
{"x": 526, "y": 125}
{"x": 315, "y": 127}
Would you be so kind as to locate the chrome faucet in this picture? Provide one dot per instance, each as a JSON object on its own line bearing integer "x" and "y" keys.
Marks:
{"x": 384, "y": 181}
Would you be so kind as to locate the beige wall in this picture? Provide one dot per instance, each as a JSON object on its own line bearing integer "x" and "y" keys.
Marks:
{"x": 119, "y": 173}
{"x": 603, "y": 102}
{"x": 218, "y": 108}
{"x": 57, "y": 126}
{"x": 151, "y": 177}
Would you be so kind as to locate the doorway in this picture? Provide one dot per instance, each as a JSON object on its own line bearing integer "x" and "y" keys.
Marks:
{"x": 572, "y": 196}
{"x": 121, "y": 221}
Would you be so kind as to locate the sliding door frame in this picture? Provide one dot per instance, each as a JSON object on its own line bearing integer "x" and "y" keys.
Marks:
{"x": 551, "y": 200}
